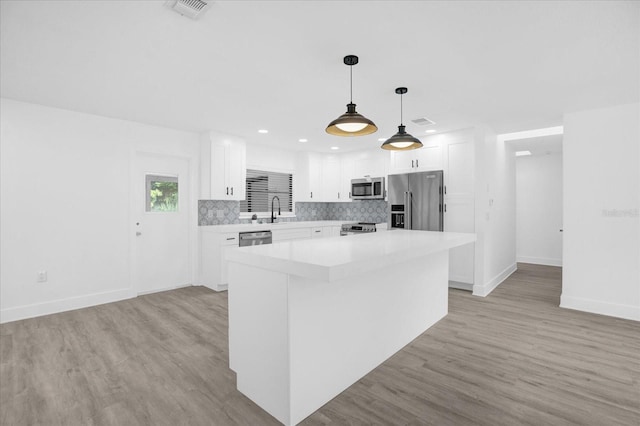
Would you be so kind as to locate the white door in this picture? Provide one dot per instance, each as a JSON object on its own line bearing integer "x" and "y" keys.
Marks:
{"x": 160, "y": 213}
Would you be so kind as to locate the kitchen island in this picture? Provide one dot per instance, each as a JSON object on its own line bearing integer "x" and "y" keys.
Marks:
{"x": 309, "y": 318}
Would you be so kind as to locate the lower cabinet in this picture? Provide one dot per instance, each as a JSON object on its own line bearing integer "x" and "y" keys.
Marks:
{"x": 290, "y": 234}
{"x": 213, "y": 269}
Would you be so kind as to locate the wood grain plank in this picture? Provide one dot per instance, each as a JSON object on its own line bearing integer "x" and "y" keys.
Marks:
{"x": 512, "y": 358}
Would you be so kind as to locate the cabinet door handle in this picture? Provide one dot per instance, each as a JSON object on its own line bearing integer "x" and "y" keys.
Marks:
{"x": 445, "y": 189}
{"x": 231, "y": 238}
{"x": 445, "y": 208}
{"x": 417, "y": 164}
{"x": 317, "y": 231}
{"x": 232, "y": 190}
{"x": 412, "y": 164}
{"x": 311, "y": 194}
{"x": 227, "y": 190}
{"x": 338, "y": 195}
{"x": 349, "y": 194}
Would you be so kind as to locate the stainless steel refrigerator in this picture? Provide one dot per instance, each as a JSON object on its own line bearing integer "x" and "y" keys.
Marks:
{"x": 416, "y": 201}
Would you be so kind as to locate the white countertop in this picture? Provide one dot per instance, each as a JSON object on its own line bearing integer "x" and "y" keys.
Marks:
{"x": 247, "y": 227}
{"x": 335, "y": 258}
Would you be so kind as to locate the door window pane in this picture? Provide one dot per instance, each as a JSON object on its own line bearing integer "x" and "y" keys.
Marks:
{"x": 162, "y": 193}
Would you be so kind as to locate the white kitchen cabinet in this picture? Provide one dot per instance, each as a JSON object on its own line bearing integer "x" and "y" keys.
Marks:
{"x": 327, "y": 177}
{"x": 331, "y": 231}
{"x": 308, "y": 178}
{"x": 213, "y": 244}
{"x": 290, "y": 234}
{"x": 458, "y": 157}
{"x": 346, "y": 174}
{"x": 223, "y": 167}
{"x": 427, "y": 158}
{"x": 331, "y": 178}
{"x": 370, "y": 163}
{"x": 213, "y": 272}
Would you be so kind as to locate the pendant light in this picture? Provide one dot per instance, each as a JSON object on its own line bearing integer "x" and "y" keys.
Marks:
{"x": 351, "y": 123}
{"x": 401, "y": 141}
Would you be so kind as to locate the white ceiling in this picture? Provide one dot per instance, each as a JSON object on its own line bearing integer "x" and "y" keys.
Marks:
{"x": 541, "y": 145}
{"x": 246, "y": 65}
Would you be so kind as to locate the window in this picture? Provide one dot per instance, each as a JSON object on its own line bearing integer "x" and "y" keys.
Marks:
{"x": 162, "y": 193}
{"x": 262, "y": 187}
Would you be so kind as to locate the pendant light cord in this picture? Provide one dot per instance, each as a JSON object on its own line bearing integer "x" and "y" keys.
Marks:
{"x": 351, "y": 84}
{"x": 401, "y": 123}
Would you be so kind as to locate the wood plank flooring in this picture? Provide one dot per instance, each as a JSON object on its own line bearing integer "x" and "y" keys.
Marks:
{"x": 513, "y": 358}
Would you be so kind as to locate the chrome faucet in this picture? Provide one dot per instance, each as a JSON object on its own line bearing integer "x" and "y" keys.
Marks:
{"x": 273, "y": 217}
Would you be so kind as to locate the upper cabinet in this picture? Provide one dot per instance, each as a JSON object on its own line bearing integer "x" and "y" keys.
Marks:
{"x": 372, "y": 163}
{"x": 332, "y": 179}
{"x": 307, "y": 183}
{"x": 429, "y": 157}
{"x": 223, "y": 167}
{"x": 327, "y": 177}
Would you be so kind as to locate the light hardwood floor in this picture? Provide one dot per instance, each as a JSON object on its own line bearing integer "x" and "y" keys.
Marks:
{"x": 513, "y": 358}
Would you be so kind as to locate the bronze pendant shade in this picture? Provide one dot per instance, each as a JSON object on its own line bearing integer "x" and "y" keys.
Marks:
{"x": 401, "y": 141}
{"x": 351, "y": 123}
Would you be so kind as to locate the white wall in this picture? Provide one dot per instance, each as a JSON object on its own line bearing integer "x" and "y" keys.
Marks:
{"x": 65, "y": 205}
{"x": 495, "y": 212}
{"x": 271, "y": 159}
{"x": 601, "y": 271}
{"x": 539, "y": 209}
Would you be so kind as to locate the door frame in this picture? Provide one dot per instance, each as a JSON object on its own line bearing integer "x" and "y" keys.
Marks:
{"x": 192, "y": 216}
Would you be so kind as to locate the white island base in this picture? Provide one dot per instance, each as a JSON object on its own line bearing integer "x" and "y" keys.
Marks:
{"x": 296, "y": 341}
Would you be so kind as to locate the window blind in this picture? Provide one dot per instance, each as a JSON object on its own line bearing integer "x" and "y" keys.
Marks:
{"x": 262, "y": 187}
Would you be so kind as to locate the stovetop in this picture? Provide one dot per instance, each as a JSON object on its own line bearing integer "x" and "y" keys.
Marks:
{"x": 359, "y": 227}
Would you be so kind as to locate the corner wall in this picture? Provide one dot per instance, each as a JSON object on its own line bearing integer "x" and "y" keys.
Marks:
{"x": 65, "y": 205}
{"x": 601, "y": 251}
{"x": 495, "y": 212}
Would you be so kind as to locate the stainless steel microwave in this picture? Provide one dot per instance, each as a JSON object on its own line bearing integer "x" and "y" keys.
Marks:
{"x": 368, "y": 189}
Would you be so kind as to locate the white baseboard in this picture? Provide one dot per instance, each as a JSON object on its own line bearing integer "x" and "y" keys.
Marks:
{"x": 488, "y": 287}
{"x": 142, "y": 293}
{"x": 629, "y": 312}
{"x": 460, "y": 285}
{"x": 216, "y": 287}
{"x": 63, "y": 305}
{"x": 539, "y": 260}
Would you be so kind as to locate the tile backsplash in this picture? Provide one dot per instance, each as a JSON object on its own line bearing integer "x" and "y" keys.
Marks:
{"x": 220, "y": 212}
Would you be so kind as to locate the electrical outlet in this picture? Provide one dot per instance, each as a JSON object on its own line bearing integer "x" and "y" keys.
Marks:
{"x": 42, "y": 276}
{"x": 220, "y": 214}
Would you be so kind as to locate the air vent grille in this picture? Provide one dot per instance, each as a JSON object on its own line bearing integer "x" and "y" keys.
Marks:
{"x": 423, "y": 121}
{"x": 189, "y": 8}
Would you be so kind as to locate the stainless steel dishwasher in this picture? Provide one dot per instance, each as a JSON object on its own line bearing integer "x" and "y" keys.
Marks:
{"x": 255, "y": 238}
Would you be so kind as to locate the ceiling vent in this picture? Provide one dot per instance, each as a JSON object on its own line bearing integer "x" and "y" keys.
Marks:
{"x": 423, "y": 121}
{"x": 189, "y": 8}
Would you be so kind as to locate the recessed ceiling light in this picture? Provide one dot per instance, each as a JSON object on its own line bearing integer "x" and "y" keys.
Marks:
{"x": 303, "y": 140}
{"x": 522, "y": 153}
{"x": 263, "y": 131}
{"x": 431, "y": 131}
{"x": 335, "y": 147}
